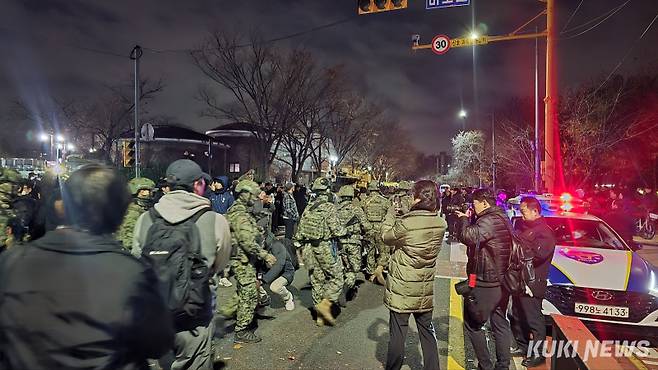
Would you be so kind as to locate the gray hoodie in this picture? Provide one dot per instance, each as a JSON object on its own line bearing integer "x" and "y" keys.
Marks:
{"x": 180, "y": 205}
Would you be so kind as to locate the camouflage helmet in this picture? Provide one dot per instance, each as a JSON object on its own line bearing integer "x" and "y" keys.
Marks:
{"x": 140, "y": 183}
{"x": 10, "y": 175}
{"x": 404, "y": 185}
{"x": 321, "y": 184}
{"x": 372, "y": 185}
{"x": 248, "y": 186}
{"x": 346, "y": 191}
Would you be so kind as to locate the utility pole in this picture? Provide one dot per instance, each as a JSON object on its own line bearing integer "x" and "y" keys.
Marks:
{"x": 135, "y": 54}
{"x": 551, "y": 154}
{"x": 550, "y": 125}
{"x": 493, "y": 151}
{"x": 537, "y": 151}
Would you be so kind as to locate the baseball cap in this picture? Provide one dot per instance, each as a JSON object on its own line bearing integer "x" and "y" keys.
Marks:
{"x": 185, "y": 172}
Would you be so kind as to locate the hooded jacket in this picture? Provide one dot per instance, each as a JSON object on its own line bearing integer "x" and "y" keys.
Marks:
{"x": 178, "y": 206}
{"x": 56, "y": 311}
{"x": 223, "y": 200}
{"x": 283, "y": 266}
{"x": 416, "y": 239}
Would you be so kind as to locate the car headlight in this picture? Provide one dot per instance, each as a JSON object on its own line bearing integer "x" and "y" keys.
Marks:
{"x": 653, "y": 284}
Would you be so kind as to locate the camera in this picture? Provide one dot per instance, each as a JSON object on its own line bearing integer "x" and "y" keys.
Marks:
{"x": 464, "y": 207}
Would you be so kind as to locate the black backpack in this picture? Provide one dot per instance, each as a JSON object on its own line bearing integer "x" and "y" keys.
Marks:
{"x": 520, "y": 272}
{"x": 174, "y": 253}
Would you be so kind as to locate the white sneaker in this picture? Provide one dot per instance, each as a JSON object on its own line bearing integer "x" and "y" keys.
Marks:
{"x": 225, "y": 282}
{"x": 290, "y": 304}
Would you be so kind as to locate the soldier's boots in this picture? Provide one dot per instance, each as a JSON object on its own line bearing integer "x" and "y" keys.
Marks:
{"x": 379, "y": 275}
{"x": 342, "y": 299}
{"x": 324, "y": 310}
{"x": 246, "y": 336}
{"x": 319, "y": 321}
{"x": 351, "y": 293}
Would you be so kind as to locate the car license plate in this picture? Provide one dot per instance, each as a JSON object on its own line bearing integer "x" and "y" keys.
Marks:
{"x": 599, "y": 310}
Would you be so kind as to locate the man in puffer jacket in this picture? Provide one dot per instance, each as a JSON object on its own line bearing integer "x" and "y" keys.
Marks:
{"x": 220, "y": 197}
{"x": 415, "y": 240}
{"x": 489, "y": 244}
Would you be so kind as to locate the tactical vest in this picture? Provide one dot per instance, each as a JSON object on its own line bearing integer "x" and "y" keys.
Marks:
{"x": 348, "y": 218}
{"x": 313, "y": 224}
{"x": 375, "y": 208}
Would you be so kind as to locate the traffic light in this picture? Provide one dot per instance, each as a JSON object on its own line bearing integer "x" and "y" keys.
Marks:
{"x": 376, "y": 6}
{"x": 128, "y": 153}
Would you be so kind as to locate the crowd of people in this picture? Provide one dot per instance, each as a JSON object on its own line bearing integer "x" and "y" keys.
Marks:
{"x": 166, "y": 246}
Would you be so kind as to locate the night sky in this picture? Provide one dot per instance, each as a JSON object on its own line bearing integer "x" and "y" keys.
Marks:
{"x": 43, "y": 56}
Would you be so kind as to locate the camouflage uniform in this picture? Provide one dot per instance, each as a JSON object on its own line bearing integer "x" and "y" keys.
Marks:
{"x": 8, "y": 181}
{"x": 135, "y": 209}
{"x": 319, "y": 240}
{"x": 357, "y": 224}
{"x": 375, "y": 207}
{"x": 245, "y": 238}
{"x": 402, "y": 201}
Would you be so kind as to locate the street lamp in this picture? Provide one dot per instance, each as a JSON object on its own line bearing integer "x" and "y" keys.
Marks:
{"x": 474, "y": 35}
{"x": 463, "y": 114}
{"x": 60, "y": 138}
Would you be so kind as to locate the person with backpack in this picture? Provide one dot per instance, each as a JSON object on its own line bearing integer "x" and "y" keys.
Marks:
{"x": 75, "y": 299}
{"x": 318, "y": 232}
{"x": 246, "y": 236}
{"x": 182, "y": 233}
{"x": 489, "y": 245}
{"x": 538, "y": 242}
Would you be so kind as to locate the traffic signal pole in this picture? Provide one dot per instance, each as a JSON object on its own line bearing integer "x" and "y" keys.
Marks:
{"x": 551, "y": 155}
{"x": 135, "y": 55}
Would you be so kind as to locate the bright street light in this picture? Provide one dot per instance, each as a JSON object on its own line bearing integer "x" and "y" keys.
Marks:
{"x": 60, "y": 138}
{"x": 462, "y": 114}
{"x": 474, "y": 35}
{"x": 44, "y": 137}
{"x": 333, "y": 158}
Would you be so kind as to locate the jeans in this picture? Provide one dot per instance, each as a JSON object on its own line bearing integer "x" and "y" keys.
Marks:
{"x": 278, "y": 287}
{"x": 290, "y": 227}
{"x": 398, "y": 325}
{"x": 192, "y": 349}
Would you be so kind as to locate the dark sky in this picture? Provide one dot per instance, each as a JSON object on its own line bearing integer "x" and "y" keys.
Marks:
{"x": 39, "y": 61}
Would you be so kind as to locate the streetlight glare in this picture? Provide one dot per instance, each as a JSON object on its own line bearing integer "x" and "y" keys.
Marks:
{"x": 333, "y": 158}
{"x": 474, "y": 35}
{"x": 44, "y": 137}
{"x": 462, "y": 114}
{"x": 60, "y": 138}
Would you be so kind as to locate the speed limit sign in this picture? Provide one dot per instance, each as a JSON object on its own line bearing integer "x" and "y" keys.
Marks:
{"x": 440, "y": 44}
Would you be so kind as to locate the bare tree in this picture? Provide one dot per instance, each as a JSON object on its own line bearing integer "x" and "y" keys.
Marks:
{"x": 261, "y": 84}
{"x": 469, "y": 160}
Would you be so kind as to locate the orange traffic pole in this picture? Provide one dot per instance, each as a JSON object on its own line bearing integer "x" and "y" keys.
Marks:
{"x": 551, "y": 118}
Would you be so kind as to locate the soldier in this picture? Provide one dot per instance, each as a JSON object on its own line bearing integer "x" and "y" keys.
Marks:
{"x": 245, "y": 237}
{"x": 402, "y": 201}
{"x": 141, "y": 189}
{"x": 375, "y": 207}
{"x": 318, "y": 231}
{"x": 357, "y": 224}
{"x": 9, "y": 180}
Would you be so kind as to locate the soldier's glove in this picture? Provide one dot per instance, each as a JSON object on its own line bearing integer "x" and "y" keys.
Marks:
{"x": 270, "y": 260}
{"x": 297, "y": 244}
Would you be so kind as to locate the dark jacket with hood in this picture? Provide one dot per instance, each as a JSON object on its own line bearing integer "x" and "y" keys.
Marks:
{"x": 56, "y": 311}
{"x": 490, "y": 230}
{"x": 221, "y": 200}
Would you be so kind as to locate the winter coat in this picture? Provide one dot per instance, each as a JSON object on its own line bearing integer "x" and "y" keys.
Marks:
{"x": 538, "y": 242}
{"x": 283, "y": 266}
{"x": 495, "y": 241}
{"x": 223, "y": 200}
{"x": 72, "y": 300}
{"x": 415, "y": 239}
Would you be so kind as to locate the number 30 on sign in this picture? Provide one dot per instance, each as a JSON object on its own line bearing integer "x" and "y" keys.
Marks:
{"x": 440, "y": 44}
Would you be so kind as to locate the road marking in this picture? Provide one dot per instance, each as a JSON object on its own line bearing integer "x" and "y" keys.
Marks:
{"x": 456, "y": 352}
{"x": 458, "y": 252}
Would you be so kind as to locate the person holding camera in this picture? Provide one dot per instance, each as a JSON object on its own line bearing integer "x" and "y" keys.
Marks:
{"x": 538, "y": 242}
{"x": 489, "y": 245}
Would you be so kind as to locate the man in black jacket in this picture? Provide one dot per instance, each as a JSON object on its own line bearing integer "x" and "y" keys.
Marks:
{"x": 56, "y": 309}
{"x": 489, "y": 244}
{"x": 281, "y": 274}
{"x": 538, "y": 242}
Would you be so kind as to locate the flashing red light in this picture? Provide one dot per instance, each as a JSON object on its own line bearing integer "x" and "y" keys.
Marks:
{"x": 567, "y": 207}
{"x": 566, "y": 197}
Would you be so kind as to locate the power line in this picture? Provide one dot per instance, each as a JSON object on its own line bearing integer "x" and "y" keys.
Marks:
{"x": 606, "y": 17}
{"x": 572, "y": 15}
{"x": 269, "y": 41}
{"x": 626, "y": 55}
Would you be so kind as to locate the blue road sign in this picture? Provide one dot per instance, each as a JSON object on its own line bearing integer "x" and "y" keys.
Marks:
{"x": 440, "y": 4}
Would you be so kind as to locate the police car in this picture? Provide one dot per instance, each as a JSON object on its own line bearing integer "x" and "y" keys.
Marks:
{"x": 594, "y": 274}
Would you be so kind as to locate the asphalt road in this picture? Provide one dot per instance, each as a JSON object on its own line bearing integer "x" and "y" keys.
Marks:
{"x": 291, "y": 340}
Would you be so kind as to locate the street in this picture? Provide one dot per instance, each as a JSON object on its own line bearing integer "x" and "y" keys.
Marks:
{"x": 291, "y": 340}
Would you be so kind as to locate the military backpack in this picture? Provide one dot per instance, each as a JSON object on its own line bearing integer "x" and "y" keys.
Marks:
{"x": 313, "y": 224}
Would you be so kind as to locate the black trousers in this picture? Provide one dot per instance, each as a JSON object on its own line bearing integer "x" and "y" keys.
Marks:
{"x": 527, "y": 321}
{"x": 398, "y": 324}
{"x": 492, "y": 305}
